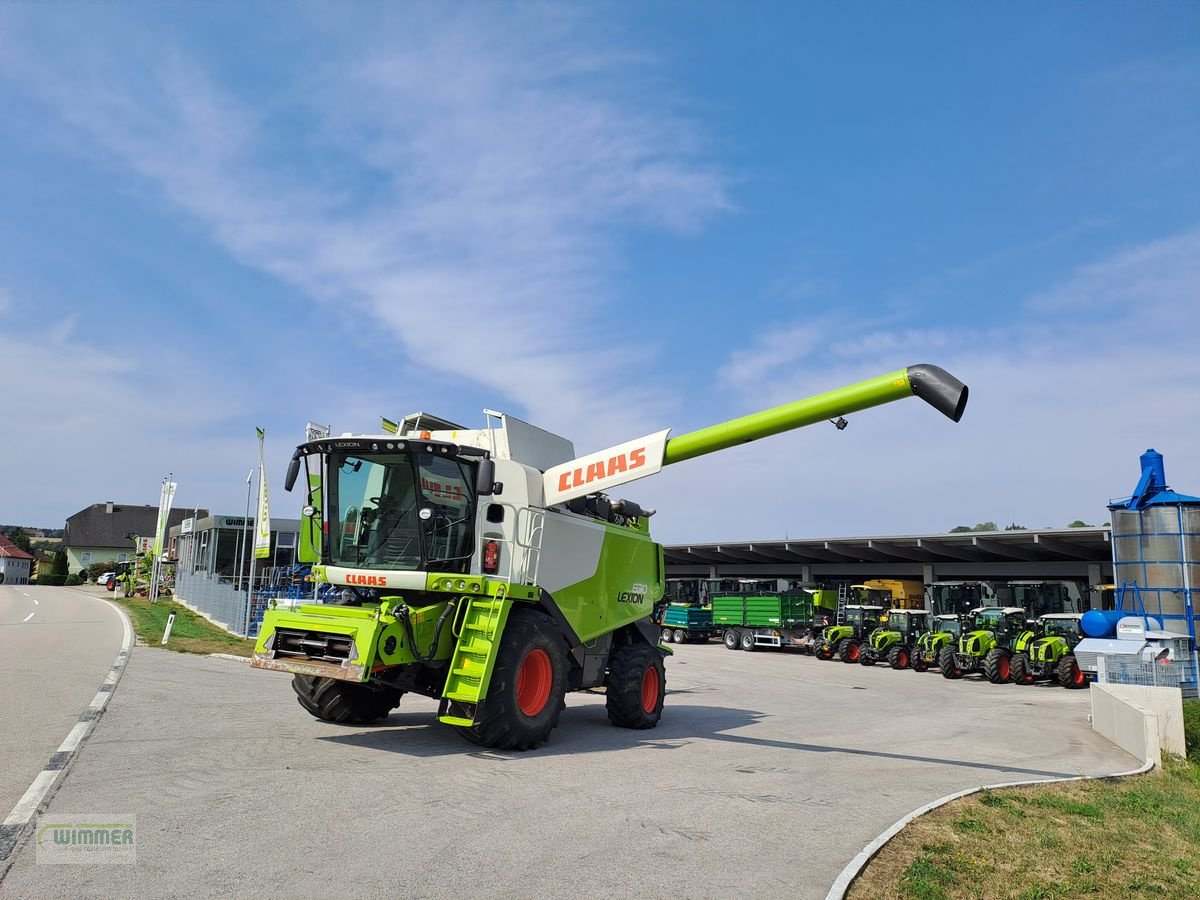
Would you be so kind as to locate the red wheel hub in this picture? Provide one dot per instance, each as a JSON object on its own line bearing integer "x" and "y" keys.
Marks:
{"x": 852, "y": 652}
{"x": 1004, "y": 668}
{"x": 902, "y": 658}
{"x": 650, "y": 685}
{"x": 535, "y": 677}
{"x": 1077, "y": 676}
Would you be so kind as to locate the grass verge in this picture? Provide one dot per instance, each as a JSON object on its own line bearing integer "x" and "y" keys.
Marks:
{"x": 191, "y": 633}
{"x": 1139, "y": 837}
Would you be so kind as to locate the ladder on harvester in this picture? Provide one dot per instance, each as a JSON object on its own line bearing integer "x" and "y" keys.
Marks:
{"x": 843, "y": 599}
{"x": 473, "y": 658}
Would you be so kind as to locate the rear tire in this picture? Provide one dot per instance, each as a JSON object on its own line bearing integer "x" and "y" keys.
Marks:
{"x": 680, "y": 636}
{"x": 636, "y": 686}
{"x": 344, "y": 702}
{"x": 730, "y": 638}
{"x": 667, "y": 635}
{"x": 1069, "y": 674}
{"x": 1020, "y": 669}
{"x": 997, "y": 666}
{"x": 529, "y": 681}
{"x": 948, "y": 664}
{"x": 747, "y": 640}
{"x": 865, "y": 657}
{"x": 848, "y": 650}
{"x": 899, "y": 656}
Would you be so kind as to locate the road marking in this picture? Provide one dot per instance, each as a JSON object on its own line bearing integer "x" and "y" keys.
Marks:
{"x": 39, "y": 792}
{"x": 28, "y": 617}
{"x": 35, "y": 603}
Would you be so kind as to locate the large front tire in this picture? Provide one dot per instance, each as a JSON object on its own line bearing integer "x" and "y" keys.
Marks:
{"x": 948, "y": 663}
{"x": 344, "y": 702}
{"x": 636, "y": 686}
{"x": 1020, "y": 669}
{"x": 898, "y": 657}
{"x": 848, "y": 650}
{"x": 529, "y": 681}
{"x": 997, "y": 666}
{"x": 1069, "y": 674}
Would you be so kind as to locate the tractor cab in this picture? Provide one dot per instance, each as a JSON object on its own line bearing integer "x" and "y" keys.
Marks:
{"x": 864, "y": 619}
{"x": 943, "y": 631}
{"x": 894, "y": 640}
{"x": 1005, "y": 622}
{"x": 988, "y": 646}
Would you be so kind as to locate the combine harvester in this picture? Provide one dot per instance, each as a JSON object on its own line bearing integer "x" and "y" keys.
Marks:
{"x": 490, "y": 570}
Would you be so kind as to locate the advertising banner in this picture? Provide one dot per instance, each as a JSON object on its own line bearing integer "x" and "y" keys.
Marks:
{"x": 262, "y": 520}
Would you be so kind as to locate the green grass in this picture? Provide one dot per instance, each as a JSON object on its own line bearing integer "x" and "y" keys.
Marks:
{"x": 1191, "y": 725}
{"x": 191, "y": 632}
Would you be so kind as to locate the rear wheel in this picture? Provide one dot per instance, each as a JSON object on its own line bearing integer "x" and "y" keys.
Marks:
{"x": 344, "y": 702}
{"x": 680, "y": 636}
{"x": 948, "y": 663}
{"x": 667, "y": 635}
{"x": 1069, "y": 673}
{"x": 997, "y": 666}
{"x": 747, "y": 640}
{"x": 898, "y": 657}
{"x": 529, "y": 680}
{"x": 848, "y": 650}
{"x": 731, "y": 639}
{"x": 1020, "y": 669}
{"x": 866, "y": 657}
{"x": 636, "y": 686}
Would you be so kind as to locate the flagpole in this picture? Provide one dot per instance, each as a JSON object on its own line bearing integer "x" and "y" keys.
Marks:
{"x": 253, "y": 560}
{"x": 241, "y": 565}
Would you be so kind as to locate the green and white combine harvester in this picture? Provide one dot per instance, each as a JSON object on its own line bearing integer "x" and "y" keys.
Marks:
{"x": 490, "y": 570}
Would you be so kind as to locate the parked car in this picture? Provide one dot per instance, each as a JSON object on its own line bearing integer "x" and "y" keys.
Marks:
{"x": 106, "y": 580}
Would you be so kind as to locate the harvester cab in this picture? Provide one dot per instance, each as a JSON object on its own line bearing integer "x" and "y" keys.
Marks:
{"x": 960, "y": 598}
{"x": 1043, "y": 598}
{"x": 988, "y": 646}
{"x": 944, "y": 631}
{"x": 895, "y": 640}
{"x": 846, "y": 640}
{"x": 492, "y": 569}
{"x": 1050, "y": 654}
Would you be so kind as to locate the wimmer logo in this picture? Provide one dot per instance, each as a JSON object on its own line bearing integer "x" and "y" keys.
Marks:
{"x": 87, "y": 839}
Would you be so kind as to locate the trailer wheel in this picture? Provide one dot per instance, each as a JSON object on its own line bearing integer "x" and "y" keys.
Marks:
{"x": 344, "y": 702}
{"x": 747, "y": 640}
{"x": 667, "y": 635}
{"x": 997, "y": 666}
{"x": 898, "y": 657}
{"x": 1020, "y": 669}
{"x": 680, "y": 636}
{"x": 848, "y": 650}
{"x": 730, "y": 638}
{"x": 636, "y": 686}
{"x": 529, "y": 680}
{"x": 1069, "y": 674}
{"x": 948, "y": 663}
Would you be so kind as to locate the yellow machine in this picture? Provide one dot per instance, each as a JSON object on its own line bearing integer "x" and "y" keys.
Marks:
{"x": 890, "y": 592}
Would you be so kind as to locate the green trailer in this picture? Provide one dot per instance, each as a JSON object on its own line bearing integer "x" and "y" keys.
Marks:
{"x": 683, "y": 623}
{"x": 784, "y": 619}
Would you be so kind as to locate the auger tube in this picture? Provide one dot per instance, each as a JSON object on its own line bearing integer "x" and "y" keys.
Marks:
{"x": 934, "y": 385}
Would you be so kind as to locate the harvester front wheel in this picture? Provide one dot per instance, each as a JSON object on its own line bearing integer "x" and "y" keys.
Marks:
{"x": 898, "y": 657}
{"x": 344, "y": 702}
{"x": 731, "y": 639}
{"x": 1069, "y": 674}
{"x": 1020, "y": 669}
{"x": 848, "y": 650}
{"x": 636, "y": 686}
{"x": 529, "y": 680}
{"x": 948, "y": 663}
{"x": 997, "y": 666}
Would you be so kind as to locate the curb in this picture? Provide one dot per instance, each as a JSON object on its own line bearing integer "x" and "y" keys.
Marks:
{"x": 241, "y": 659}
{"x": 854, "y": 868}
{"x": 42, "y": 790}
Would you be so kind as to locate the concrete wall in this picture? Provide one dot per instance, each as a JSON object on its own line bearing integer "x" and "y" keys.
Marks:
{"x": 1144, "y": 721}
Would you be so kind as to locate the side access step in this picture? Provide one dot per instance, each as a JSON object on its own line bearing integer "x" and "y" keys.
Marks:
{"x": 473, "y": 659}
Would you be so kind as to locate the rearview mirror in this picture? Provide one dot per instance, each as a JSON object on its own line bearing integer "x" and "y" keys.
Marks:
{"x": 485, "y": 478}
{"x": 293, "y": 470}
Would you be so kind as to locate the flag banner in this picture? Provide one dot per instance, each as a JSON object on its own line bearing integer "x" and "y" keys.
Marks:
{"x": 389, "y": 426}
{"x": 165, "y": 498}
{"x": 262, "y": 520}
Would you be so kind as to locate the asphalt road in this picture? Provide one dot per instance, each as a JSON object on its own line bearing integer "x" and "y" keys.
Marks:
{"x": 56, "y": 646}
{"x": 766, "y": 775}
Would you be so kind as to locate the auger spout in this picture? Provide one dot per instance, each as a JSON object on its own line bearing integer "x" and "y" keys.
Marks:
{"x": 934, "y": 385}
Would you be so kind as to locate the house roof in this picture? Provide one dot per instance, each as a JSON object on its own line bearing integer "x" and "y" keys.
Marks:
{"x": 11, "y": 550}
{"x": 97, "y": 527}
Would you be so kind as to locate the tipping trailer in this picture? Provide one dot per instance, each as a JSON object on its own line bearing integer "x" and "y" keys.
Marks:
{"x": 783, "y": 619}
{"x": 491, "y": 569}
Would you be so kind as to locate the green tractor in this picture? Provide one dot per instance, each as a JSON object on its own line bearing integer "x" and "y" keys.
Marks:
{"x": 944, "y": 632}
{"x": 894, "y": 641}
{"x": 1050, "y": 653}
{"x": 988, "y": 647}
{"x": 845, "y": 641}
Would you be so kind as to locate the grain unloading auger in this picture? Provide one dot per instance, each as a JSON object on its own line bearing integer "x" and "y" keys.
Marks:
{"x": 490, "y": 570}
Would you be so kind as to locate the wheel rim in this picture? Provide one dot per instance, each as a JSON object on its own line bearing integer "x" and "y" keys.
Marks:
{"x": 1004, "y": 668}
{"x": 902, "y": 659}
{"x": 852, "y": 652}
{"x": 1076, "y": 675}
{"x": 534, "y": 680}
{"x": 650, "y": 689}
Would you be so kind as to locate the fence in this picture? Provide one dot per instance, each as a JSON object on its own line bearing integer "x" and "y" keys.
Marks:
{"x": 1180, "y": 673}
{"x": 223, "y": 599}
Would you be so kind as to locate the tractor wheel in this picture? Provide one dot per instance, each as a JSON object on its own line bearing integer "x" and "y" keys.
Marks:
{"x": 747, "y": 640}
{"x": 667, "y": 635}
{"x": 636, "y": 685}
{"x": 1020, "y": 669}
{"x": 344, "y": 702}
{"x": 730, "y": 638}
{"x": 822, "y": 650}
{"x": 997, "y": 666}
{"x": 898, "y": 657}
{"x": 848, "y": 650}
{"x": 680, "y": 636}
{"x": 919, "y": 663}
{"x": 1069, "y": 673}
{"x": 948, "y": 664}
{"x": 529, "y": 679}
{"x": 866, "y": 657}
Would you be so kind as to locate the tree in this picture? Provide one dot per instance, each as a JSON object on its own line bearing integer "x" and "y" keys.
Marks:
{"x": 21, "y": 538}
{"x": 960, "y": 529}
{"x": 59, "y": 566}
{"x": 1079, "y": 523}
{"x": 982, "y": 526}
{"x": 1015, "y": 527}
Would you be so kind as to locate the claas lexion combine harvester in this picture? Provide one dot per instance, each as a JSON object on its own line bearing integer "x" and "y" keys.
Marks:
{"x": 489, "y": 569}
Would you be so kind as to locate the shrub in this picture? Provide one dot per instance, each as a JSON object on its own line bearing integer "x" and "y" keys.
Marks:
{"x": 73, "y": 581}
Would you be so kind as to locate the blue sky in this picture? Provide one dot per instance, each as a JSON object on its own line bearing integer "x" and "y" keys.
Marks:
{"x": 607, "y": 220}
